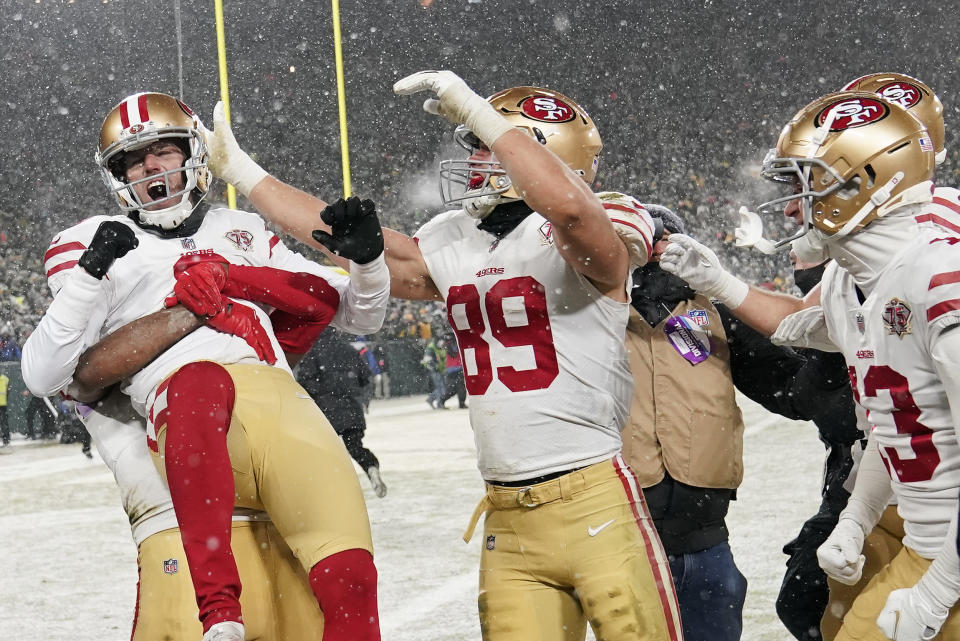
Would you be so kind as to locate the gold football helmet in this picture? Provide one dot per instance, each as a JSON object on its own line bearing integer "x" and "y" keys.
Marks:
{"x": 911, "y": 94}
{"x": 852, "y": 157}
{"x": 141, "y": 120}
{"x": 547, "y": 116}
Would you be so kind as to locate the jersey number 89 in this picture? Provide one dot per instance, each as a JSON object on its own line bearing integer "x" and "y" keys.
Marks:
{"x": 536, "y": 333}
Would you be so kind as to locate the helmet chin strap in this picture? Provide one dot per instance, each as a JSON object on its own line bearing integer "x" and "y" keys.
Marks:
{"x": 481, "y": 206}
{"x": 881, "y": 201}
{"x": 169, "y": 218}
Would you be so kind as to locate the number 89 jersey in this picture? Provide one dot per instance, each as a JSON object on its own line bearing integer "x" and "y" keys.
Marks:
{"x": 543, "y": 351}
{"x": 887, "y": 343}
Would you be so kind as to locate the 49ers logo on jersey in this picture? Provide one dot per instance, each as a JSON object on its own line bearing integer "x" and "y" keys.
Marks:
{"x": 852, "y": 113}
{"x": 896, "y": 317}
{"x": 547, "y": 109}
{"x": 240, "y": 237}
{"x": 902, "y": 93}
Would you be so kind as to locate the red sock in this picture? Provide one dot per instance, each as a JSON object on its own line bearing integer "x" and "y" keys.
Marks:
{"x": 199, "y": 405}
{"x": 345, "y": 585}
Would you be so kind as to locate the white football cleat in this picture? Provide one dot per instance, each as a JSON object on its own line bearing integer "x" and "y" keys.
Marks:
{"x": 224, "y": 631}
{"x": 379, "y": 487}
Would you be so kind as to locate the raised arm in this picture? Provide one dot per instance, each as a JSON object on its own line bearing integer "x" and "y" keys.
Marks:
{"x": 299, "y": 214}
{"x": 584, "y": 234}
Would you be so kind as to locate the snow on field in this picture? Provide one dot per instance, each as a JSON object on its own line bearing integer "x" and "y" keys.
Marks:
{"x": 70, "y": 564}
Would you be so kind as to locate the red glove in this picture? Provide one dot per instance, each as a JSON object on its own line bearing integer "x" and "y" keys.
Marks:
{"x": 198, "y": 288}
{"x": 240, "y": 320}
{"x": 199, "y": 281}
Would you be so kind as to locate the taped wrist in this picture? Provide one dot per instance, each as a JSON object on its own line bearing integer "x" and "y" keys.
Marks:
{"x": 244, "y": 173}
{"x": 370, "y": 278}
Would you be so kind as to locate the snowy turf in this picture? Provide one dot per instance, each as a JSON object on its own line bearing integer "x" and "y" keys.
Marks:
{"x": 70, "y": 569}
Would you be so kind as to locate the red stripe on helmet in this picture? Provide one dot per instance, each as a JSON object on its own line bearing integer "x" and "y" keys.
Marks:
{"x": 142, "y": 107}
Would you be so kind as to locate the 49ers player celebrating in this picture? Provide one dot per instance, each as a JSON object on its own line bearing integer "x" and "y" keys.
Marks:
{"x": 860, "y": 169}
{"x": 535, "y": 280}
{"x": 225, "y": 415}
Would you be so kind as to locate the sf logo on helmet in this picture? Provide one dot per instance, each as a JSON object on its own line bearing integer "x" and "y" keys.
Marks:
{"x": 849, "y": 114}
{"x": 902, "y": 93}
{"x": 547, "y": 109}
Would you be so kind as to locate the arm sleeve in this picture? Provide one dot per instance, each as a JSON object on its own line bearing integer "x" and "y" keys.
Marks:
{"x": 363, "y": 293}
{"x": 872, "y": 491}
{"x": 808, "y": 386}
{"x": 52, "y": 351}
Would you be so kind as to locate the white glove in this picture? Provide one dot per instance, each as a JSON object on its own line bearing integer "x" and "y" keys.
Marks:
{"x": 699, "y": 266}
{"x": 840, "y": 555}
{"x": 227, "y": 160}
{"x": 456, "y": 102}
{"x": 806, "y": 328}
{"x": 909, "y": 615}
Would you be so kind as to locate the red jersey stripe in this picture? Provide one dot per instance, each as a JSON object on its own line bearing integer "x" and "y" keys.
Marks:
{"x": 273, "y": 243}
{"x": 642, "y": 234}
{"x": 59, "y": 249}
{"x": 619, "y": 207}
{"x": 944, "y": 279}
{"x": 939, "y": 220}
{"x": 940, "y": 309}
{"x": 937, "y": 200}
{"x": 59, "y": 268}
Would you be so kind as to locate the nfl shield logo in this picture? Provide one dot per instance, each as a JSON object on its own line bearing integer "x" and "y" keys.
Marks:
{"x": 491, "y": 542}
{"x": 188, "y": 244}
{"x": 861, "y": 325}
{"x": 170, "y": 566}
{"x": 896, "y": 316}
{"x": 699, "y": 316}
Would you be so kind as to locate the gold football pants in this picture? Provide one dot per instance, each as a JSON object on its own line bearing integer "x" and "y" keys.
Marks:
{"x": 576, "y": 549}
{"x": 288, "y": 462}
{"x": 879, "y": 548}
{"x": 277, "y": 602}
{"x": 903, "y": 571}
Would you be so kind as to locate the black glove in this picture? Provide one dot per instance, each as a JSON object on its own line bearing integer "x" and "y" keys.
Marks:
{"x": 111, "y": 241}
{"x": 356, "y": 230}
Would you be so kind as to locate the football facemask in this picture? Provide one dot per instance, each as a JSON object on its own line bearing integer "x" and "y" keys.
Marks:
{"x": 849, "y": 157}
{"x": 146, "y": 119}
{"x": 547, "y": 116}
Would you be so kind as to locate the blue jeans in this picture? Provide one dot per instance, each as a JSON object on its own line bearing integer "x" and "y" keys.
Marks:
{"x": 439, "y": 389}
{"x": 711, "y": 591}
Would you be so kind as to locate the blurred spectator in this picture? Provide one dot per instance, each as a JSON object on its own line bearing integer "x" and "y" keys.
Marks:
{"x": 41, "y": 408}
{"x": 435, "y": 362}
{"x": 9, "y": 350}
{"x": 4, "y": 421}
{"x": 381, "y": 381}
{"x": 453, "y": 374}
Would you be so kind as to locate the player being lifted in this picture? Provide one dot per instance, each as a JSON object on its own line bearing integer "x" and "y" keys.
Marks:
{"x": 535, "y": 280}
{"x": 215, "y": 393}
{"x": 859, "y": 168}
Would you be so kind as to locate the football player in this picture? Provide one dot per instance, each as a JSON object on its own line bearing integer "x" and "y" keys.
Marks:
{"x": 882, "y": 544}
{"x": 859, "y": 168}
{"x": 535, "y": 279}
{"x": 215, "y": 394}
{"x": 277, "y": 601}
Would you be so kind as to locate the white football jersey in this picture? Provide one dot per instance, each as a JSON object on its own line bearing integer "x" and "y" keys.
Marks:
{"x": 139, "y": 283}
{"x": 887, "y": 342}
{"x": 543, "y": 351}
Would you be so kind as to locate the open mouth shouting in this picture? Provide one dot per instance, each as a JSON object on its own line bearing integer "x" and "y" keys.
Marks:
{"x": 157, "y": 190}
